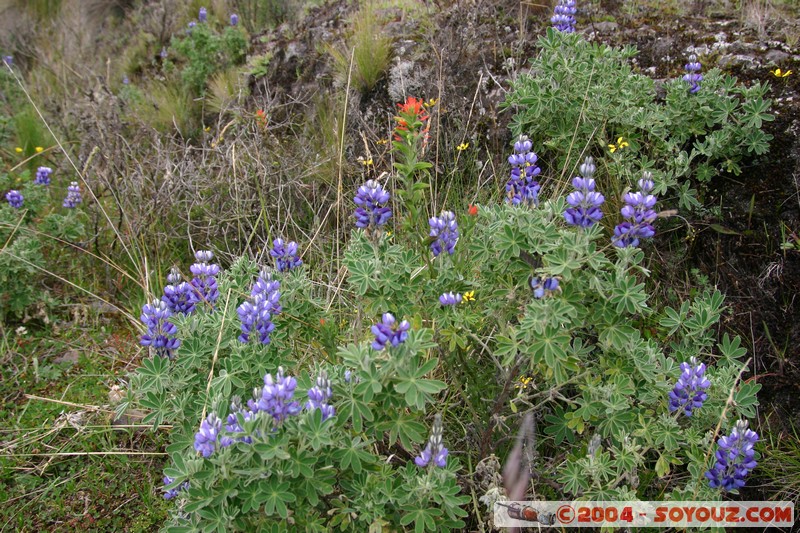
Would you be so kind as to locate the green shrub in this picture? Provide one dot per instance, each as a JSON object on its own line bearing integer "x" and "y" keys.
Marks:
{"x": 203, "y": 52}
{"x": 581, "y": 97}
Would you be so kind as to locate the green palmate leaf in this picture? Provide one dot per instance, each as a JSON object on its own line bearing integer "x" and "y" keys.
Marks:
{"x": 418, "y": 391}
{"x": 573, "y": 478}
{"x": 356, "y": 411}
{"x": 745, "y": 399}
{"x": 423, "y": 518}
{"x": 316, "y": 430}
{"x": 558, "y": 427}
{"x": 628, "y": 296}
{"x": 406, "y": 428}
{"x": 352, "y": 456}
{"x": 274, "y": 495}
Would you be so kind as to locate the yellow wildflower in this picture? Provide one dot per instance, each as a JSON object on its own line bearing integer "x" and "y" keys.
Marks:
{"x": 523, "y": 382}
{"x": 18, "y": 150}
{"x": 39, "y": 149}
{"x": 461, "y": 147}
{"x": 430, "y": 103}
{"x": 620, "y": 144}
{"x": 778, "y": 73}
{"x": 207, "y": 129}
{"x": 366, "y": 162}
{"x": 382, "y": 141}
{"x": 469, "y": 296}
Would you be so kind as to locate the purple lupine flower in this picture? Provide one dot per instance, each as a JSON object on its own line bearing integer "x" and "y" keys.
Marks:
{"x": 434, "y": 449}
{"x": 449, "y": 298}
{"x": 285, "y": 255}
{"x": 638, "y": 211}
{"x": 543, "y": 286}
{"x": 319, "y": 394}
{"x": 444, "y": 229}
{"x": 192, "y": 25}
{"x": 206, "y": 440}
{"x": 690, "y": 390}
{"x": 232, "y": 425}
{"x": 234, "y": 19}
{"x": 171, "y": 493}
{"x": 205, "y": 277}
{"x": 14, "y": 199}
{"x": 585, "y": 202}
{"x": 161, "y": 332}
{"x": 8, "y": 60}
{"x": 522, "y": 188}
{"x": 388, "y": 332}
{"x": 371, "y": 200}
{"x": 735, "y": 458}
{"x": 126, "y": 80}
{"x": 563, "y": 18}
{"x": 163, "y": 53}
{"x": 43, "y": 176}
{"x": 73, "y": 197}
{"x": 256, "y": 313}
{"x": 202, "y": 16}
{"x": 693, "y": 76}
{"x": 179, "y": 296}
{"x": 348, "y": 375}
{"x": 275, "y": 397}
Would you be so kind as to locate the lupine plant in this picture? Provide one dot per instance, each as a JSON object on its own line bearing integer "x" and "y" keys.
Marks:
{"x": 736, "y": 457}
{"x": 584, "y": 95}
{"x": 563, "y": 18}
{"x": 73, "y": 197}
{"x": 285, "y": 255}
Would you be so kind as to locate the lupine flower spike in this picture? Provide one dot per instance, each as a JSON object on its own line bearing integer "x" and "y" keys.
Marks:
{"x": 285, "y": 255}
{"x": 690, "y": 390}
{"x": 543, "y": 286}
{"x": 693, "y": 76}
{"x": 585, "y": 202}
{"x": 14, "y": 199}
{"x": 179, "y": 296}
{"x": 256, "y": 314}
{"x": 205, "y": 276}
{"x": 276, "y": 397}
{"x": 206, "y": 440}
{"x": 563, "y": 18}
{"x": 319, "y": 395}
{"x": 434, "y": 450}
{"x": 43, "y": 176}
{"x": 444, "y": 229}
{"x": 639, "y": 214}
{"x": 389, "y": 333}
{"x": 73, "y": 197}
{"x": 202, "y": 16}
{"x": 372, "y": 211}
{"x": 234, "y": 19}
{"x": 8, "y": 60}
{"x": 449, "y": 298}
{"x": 232, "y": 425}
{"x": 171, "y": 493}
{"x": 735, "y": 458}
{"x": 521, "y": 187}
{"x": 161, "y": 332}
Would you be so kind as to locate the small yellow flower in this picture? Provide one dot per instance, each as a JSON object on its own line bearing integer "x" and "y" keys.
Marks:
{"x": 366, "y": 162}
{"x": 39, "y": 149}
{"x": 207, "y": 129}
{"x": 469, "y": 296}
{"x": 778, "y": 73}
{"x": 382, "y": 141}
{"x": 388, "y": 234}
{"x": 430, "y": 103}
{"x": 523, "y": 382}
{"x": 18, "y": 150}
{"x": 461, "y": 147}
{"x": 620, "y": 144}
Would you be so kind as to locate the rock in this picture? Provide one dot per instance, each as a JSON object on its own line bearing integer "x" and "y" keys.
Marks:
{"x": 605, "y": 27}
{"x": 776, "y": 56}
{"x": 736, "y": 60}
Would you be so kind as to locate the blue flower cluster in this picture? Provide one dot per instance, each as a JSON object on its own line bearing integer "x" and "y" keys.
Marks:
{"x": 43, "y": 176}
{"x": 232, "y": 426}
{"x": 234, "y": 19}
{"x": 256, "y": 313}
{"x": 276, "y": 397}
{"x": 202, "y": 16}
{"x": 372, "y": 211}
{"x": 444, "y": 230}
{"x": 14, "y": 199}
{"x": 206, "y": 440}
{"x": 285, "y": 255}
{"x": 735, "y": 458}
{"x": 73, "y": 197}
{"x": 389, "y": 333}
{"x": 179, "y": 296}
{"x": 522, "y": 188}
{"x": 693, "y": 76}
{"x": 318, "y": 396}
{"x": 161, "y": 332}
{"x": 449, "y": 298}
{"x": 638, "y": 211}
{"x": 563, "y": 18}
{"x": 690, "y": 391}
{"x": 434, "y": 450}
{"x": 585, "y": 202}
{"x": 205, "y": 276}
{"x": 543, "y": 286}
{"x": 171, "y": 493}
